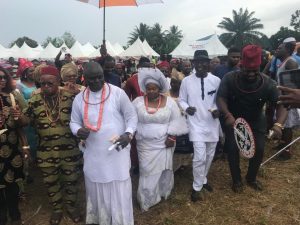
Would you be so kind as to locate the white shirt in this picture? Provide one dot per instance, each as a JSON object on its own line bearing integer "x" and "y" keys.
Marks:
{"x": 203, "y": 127}
{"x": 119, "y": 116}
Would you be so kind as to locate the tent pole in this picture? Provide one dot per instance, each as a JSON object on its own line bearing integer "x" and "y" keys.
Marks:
{"x": 104, "y": 6}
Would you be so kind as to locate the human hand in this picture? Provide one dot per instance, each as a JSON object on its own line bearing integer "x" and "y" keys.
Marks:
{"x": 191, "y": 110}
{"x": 124, "y": 140}
{"x": 229, "y": 120}
{"x": 215, "y": 113}
{"x": 71, "y": 87}
{"x": 26, "y": 152}
{"x": 291, "y": 97}
{"x": 170, "y": 141}
{"x": 83, "y": 133}
{"x": 275, "y": 133}
{"x": 15, "y": 112}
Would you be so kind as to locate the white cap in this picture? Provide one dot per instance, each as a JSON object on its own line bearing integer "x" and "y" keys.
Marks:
{"x": 289, "y": 39}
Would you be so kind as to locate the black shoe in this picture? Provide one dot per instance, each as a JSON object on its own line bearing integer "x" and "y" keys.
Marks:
{"x": 256, "y": 185}
{"x": 238, "y": 187}
{"x": 196, "y": 196}
{"x": 208, "y": 187}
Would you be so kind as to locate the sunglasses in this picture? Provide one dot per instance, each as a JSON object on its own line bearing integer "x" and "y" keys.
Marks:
{"x": 3, "y": 78}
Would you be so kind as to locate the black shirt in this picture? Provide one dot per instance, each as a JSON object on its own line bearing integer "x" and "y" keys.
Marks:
{"x": 113, "y": 79}
{"x": 247, "y": 100}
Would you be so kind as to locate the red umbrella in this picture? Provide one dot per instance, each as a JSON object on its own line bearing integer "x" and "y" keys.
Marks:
{"x": 108, "y": 3}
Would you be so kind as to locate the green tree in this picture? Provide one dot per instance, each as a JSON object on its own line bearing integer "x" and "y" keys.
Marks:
{"x": 241, "y": 29}
{"x": 20, "y": 41}
{"x": 295, "y": 20}
{"x": 173, "y": 37}
{"x": 157, "y": 38}
{"x": 142, "y": 32}
{"x": 282, "y": 34}
{"x": 56, "y": 42}
{"x": 69, "y": 39}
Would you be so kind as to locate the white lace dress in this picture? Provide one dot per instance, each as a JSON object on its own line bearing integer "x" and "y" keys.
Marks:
{"x": 155, "y": 160}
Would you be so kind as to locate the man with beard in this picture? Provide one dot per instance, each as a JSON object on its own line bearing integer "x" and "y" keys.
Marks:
{"x": 197, "y": 97}
{"x": 233, "y": 59}
{"x": 103, "y": 115}
{"x": 109, "y": 75}
{"x": 244, "y": 94}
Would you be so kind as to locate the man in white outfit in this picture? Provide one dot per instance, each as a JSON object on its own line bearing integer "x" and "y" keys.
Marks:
{"x": 198, "y": 98}
{"x": 99, "y": 113}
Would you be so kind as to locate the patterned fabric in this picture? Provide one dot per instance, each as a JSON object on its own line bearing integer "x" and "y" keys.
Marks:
{"x": 61, "y": 183}
{"x": 11, "y": 165}
{"x": 57, "y": 144}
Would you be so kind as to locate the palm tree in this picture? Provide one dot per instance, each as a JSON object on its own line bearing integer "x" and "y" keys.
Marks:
{"x": 157, "y": 38}
{"x": 242, "y": 29}
{"x": 174, "y": 37}
{"x": 141, "y": 32}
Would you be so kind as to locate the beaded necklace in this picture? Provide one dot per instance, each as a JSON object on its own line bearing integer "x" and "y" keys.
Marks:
{"x": 50, "y": 111}
{"x": 152, "y": 111}
{"x": 86, "y": 109}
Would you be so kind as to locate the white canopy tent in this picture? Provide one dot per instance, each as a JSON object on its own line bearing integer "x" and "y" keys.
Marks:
{"x": 26, "y": 52}
{"x": 88, "y": 48}
{"x": 211, "y": 44}
{"x": 4, "y": 52}
{"x": 77, "y": 51}
{"x": 135, "y": 50}
{"x": 150, "y": 50}
{"x": 110, "y": 50}
{"x": 118, "y": 48}
{"x": 50, "y": 52}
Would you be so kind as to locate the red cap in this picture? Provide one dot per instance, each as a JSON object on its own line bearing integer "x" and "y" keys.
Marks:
{"x": 49, "y": 70}
{"x": 251, "y": 56}
{"x": 163, "y": 64}
{"x": 23, "y": 65}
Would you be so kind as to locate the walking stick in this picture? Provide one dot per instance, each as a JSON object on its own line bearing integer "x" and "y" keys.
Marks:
{"x": 281, "y": 150}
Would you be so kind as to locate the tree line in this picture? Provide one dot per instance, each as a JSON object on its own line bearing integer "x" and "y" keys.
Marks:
{"x": 242, "y": 29}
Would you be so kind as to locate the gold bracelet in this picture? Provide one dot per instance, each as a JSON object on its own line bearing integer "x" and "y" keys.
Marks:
{"x": 279, "y": 125}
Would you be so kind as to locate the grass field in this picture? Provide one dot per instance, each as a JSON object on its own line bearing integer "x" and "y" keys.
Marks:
{"x": 277, "y": 204}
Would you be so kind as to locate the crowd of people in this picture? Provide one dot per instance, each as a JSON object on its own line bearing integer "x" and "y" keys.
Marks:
{"x": 110, "y": 119}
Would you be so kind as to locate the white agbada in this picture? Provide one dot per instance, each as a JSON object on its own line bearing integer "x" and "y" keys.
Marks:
{"x": 155, "y": 160}
{"x": 204, "y": 129}
{"x": 106, "y": 171}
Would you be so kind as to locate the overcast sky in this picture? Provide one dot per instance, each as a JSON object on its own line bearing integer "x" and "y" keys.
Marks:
{"x": 39, "y": 19}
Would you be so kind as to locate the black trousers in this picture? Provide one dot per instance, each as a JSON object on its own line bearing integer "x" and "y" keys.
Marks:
{"x": 9, "y": 203}
{"x": 234, "y": 156}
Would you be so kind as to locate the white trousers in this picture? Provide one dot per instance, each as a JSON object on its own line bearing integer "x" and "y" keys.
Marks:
{"x": 109, "y": 203}
{"x": 153, "y": 187}
{"x": 203, "y": 156}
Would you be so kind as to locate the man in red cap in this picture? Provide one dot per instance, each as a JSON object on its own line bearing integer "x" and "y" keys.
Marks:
{"x": 57, "y": 154}
{"x": 243, "y": 94}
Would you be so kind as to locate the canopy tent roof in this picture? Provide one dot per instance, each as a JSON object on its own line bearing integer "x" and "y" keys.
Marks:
{"x": 77, "y": 51}
{"x": 4, "y": 52}
{"x": 149, "y": 50}
{"x": 135, "y": 50}
{"x": 50, "y": 52}
{"x": 25, "y": 52}
{"x": 110, "y": 50}
{"x": 118, "y": 48}
{"x": 88, "y": 48}
{"x": 210, "y": 43}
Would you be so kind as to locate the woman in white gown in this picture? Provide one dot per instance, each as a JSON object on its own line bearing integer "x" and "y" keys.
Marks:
{"x": 156, "y": 136}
